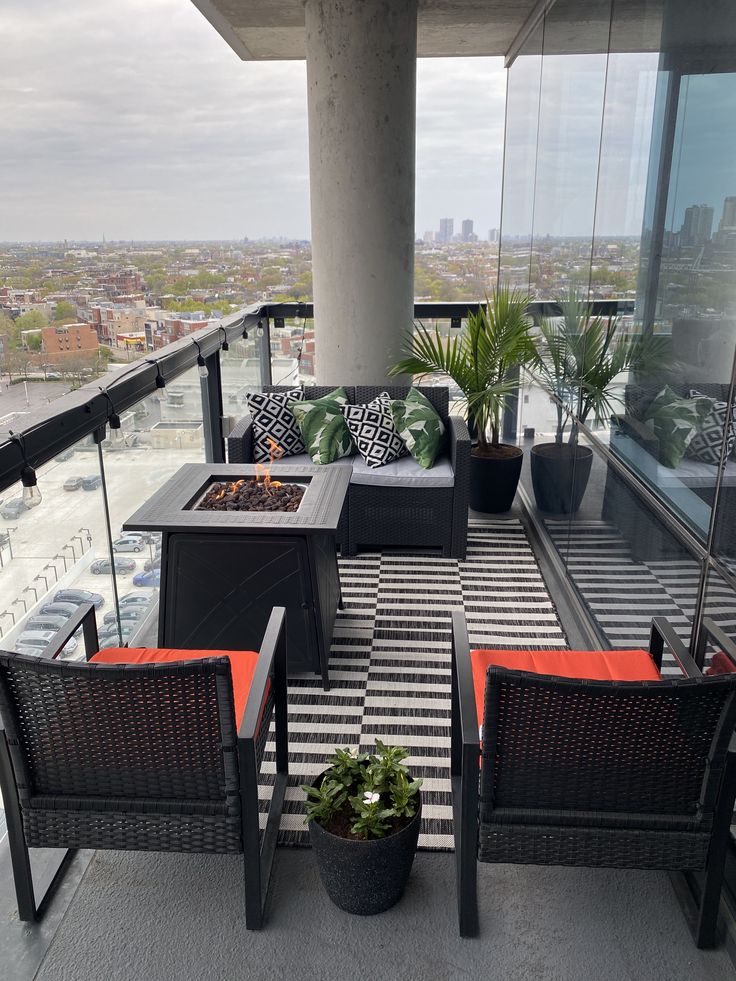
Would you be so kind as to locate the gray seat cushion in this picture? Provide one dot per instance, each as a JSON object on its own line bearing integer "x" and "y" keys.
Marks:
{"x": 304, "y": 460}
{"x": 404, "y": 472}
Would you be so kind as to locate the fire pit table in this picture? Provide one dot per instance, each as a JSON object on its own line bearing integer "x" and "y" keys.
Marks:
{"x": 223, "y": 570}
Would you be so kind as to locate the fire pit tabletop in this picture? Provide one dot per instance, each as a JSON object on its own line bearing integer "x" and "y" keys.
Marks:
{"x": 172, "y": 507}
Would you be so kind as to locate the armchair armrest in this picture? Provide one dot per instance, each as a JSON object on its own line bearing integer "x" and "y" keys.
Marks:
{"x": 460, "y": 458}
{"x": 270, "y": 669}
{"x": 639, "y": 432}
{"x": 84, "y": 617}
{"x": 240, "y": 441}
{"x": 663, "y": 633}
{"x": 464, "y": 717}
{"x": 715, "y": 632}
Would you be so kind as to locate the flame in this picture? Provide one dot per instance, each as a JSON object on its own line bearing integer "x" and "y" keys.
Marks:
{"x": 263, "y": 470}
{"x": 230, "y": 488}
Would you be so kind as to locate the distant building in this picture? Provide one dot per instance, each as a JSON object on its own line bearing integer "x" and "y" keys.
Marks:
{"x": 727, "y": 224}
{"x": 493, "y": 235}
{"x": 72, "y": 339}
{"x": 428, "y": 236}
{"x": 466, "y": 230}
{"x": 447, "y": 228}
{"x": 697, "y": 226}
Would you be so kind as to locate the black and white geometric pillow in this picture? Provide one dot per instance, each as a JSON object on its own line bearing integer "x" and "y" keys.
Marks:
{"x": 373, "y": 431}
{"x": 272, "y": 418}
{"x": 706, "y": 443}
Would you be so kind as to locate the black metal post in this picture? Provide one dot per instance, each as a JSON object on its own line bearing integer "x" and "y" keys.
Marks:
{"x": 214, "y": 443}
{"x": 264, "y": 349}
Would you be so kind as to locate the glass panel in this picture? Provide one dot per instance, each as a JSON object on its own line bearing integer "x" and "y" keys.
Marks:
{"x": 292, "y": 352}
{"x": 625, "y": 563}
{"x": 520, "y": 152}
{"x": 240, "y": 371}
{"x": 156, "y": 438}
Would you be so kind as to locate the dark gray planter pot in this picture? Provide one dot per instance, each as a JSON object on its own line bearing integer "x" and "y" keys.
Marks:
{"x": 560, "y": 475}
{"x": 493, "y": 483}
{"x": 365, "y": 877}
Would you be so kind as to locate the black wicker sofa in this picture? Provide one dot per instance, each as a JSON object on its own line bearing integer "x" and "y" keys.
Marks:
{"x": 399, "y": 505}
{"x": 688, "y": 489}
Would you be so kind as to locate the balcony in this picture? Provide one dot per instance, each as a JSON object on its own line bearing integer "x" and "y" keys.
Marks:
{"x": 127, "y": 914}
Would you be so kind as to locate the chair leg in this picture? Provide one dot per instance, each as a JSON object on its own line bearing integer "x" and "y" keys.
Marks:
{"x": 466, "y": 862}
{"x": 706, "y": 924}
{"x": 251, "y": 835}
{"x": 49, "y": 872}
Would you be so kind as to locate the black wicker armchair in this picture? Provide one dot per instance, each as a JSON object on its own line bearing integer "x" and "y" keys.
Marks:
{"x": 142, "y": 756}
{"x": 377, "y": 515}
{"x": 625, "y": 774}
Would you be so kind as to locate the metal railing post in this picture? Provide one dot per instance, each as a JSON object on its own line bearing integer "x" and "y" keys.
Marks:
{"x": 211, "y": 386}
{"x": 264, "y": 349}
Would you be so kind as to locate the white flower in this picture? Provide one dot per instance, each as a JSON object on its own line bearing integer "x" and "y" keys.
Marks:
{"x": 354, "y": 753}
{"x": 371, "y": 798}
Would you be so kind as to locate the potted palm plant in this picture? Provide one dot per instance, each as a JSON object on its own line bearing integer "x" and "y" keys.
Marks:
{"x": 580, "y": 359}
{"x": 363, "y": 814}
{"x": 480, "y": 360}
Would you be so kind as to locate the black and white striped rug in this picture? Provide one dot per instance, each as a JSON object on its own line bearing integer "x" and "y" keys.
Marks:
{"x": 390, "y": 661}
{"x": 623, "y": 594}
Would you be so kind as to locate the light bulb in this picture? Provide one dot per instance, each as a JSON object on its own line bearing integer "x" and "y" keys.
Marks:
{"x": 202, "y": 369}
{"x": 259, "y": 331}
{"x": 163, "y": 395}
{"x": 31, "y": 496}
{"x": 31, "y": 493}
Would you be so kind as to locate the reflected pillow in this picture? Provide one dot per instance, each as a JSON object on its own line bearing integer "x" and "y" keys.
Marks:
{"x": 419, "y": 426}
{"x": 706, "y": 443}
{"x": 675, "y": 422}
{"x": 324, "y": 431}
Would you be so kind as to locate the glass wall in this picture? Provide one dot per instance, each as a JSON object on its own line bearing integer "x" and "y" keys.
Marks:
{"x": 629, "y": 196}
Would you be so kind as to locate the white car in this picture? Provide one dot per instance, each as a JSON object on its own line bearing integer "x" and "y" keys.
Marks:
{"x": 128, "y": 544}
{"x": 35, "y": 641}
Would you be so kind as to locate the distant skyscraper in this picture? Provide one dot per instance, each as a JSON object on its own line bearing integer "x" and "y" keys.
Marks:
{"x": 466, "y": 233}
{"x": 492, "y": 234}
{"x": 697, "y": 226}
{"x": 447, "y": 226}
{"x": 428, "y": 236}
{"x": 728, "y": 218}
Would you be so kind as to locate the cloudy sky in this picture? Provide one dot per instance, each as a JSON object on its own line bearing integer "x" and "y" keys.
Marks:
{"x": 134, "y": 119}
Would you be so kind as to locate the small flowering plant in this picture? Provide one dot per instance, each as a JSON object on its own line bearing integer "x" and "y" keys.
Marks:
{"x": 364, "y": 795}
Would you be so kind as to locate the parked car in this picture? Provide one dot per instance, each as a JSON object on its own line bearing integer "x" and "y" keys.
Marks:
{"x": 110, "y": 637}
{"x": 152, "y": 578}
{"x": 130, "y": 612}
{"x": 103, "y": 567}
{"x": 45, "y": 622}
{"x": 152, "y": 564}
{"x": 65, "y": 610}
{"x": 92, "y": 482}
{"x": 40, "y": 640}
{"x": 13, "y": 508}
{"x": 147, "y": 537}
{"x": 135, "y": 599}
{"x": 64, "y": 455}
{"x": 79, "y": 596}
{"x": 128, "y": 545}
{"x": 72, "y": 483}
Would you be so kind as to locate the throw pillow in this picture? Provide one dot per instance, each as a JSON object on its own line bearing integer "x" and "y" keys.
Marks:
{"x": 324, "y": 430}
{"x": 419, "y": 426}
{"x": 706, "y": 443}
{"x": 374, "y": 432}
{"x": 675, "y": 422}
{"x": 274, "y": 420}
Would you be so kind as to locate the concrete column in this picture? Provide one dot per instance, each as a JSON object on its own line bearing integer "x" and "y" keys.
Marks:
{"x": 361, "y": 84}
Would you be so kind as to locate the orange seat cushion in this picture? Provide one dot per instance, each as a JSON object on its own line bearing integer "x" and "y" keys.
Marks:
{"x": 588, "y": 665}
{"x": 242, "y": 665}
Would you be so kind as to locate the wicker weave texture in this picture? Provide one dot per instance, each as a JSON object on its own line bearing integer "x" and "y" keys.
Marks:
{"x": 592, "y": 847}
{"x": 651, "y": 751}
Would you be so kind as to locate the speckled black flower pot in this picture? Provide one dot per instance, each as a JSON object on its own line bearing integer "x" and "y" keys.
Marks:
{"x": 365, "y": 877}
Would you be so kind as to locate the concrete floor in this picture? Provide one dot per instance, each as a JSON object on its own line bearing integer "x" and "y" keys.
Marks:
{"x": 165, "y": 917}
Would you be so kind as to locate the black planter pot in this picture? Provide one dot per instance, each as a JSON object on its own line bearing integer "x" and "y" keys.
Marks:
{"x": 365, "y": 877}
{"x": 493, "y": 483}
{"x": 560, "y": 474}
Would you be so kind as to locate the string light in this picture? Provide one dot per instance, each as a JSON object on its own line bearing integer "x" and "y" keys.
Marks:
{"x": 160, "y": 382}
{"x": 112, "y": 417}
{"x": 225, "y": 345}
{"x": 31, "y": 493}
{"x": 202, "y": 369}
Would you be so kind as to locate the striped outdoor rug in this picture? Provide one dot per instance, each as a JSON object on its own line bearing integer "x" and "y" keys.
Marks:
{"x": 390, "y": 661}
{"x": 624, "y": 594}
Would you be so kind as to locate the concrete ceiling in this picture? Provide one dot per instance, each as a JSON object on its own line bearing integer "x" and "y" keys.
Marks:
{"x": 273, "y": 30}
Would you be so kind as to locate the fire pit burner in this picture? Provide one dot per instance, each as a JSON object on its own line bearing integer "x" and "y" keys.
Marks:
{"x": 252, "y": 495}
